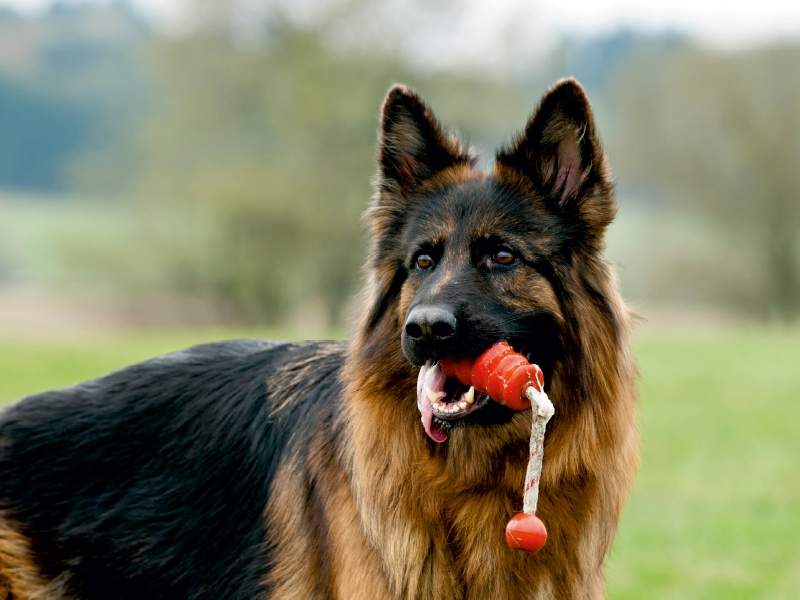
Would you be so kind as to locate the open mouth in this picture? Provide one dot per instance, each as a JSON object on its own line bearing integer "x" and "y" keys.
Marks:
{"x": 442, "y": 400}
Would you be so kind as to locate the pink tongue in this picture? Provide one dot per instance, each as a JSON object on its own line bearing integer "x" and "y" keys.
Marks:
{"x": 433, "y": 378}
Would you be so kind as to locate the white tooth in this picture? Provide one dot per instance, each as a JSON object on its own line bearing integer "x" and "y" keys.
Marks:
{"x": 469, "y": 395}
{"x": 434, "y": 396}
{"x": 462, "y": 405}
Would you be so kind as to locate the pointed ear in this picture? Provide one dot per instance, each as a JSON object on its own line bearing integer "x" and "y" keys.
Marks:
{"x": 413, "y": 145}
{"x": 561, "y": 155}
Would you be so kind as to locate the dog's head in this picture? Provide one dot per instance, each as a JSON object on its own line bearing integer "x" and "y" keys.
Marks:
{"x": 463, "y": 258}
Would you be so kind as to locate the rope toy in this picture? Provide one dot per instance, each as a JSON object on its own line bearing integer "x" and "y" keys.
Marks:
{"x": 525, "y": 531}
{"x": 508, "y": 378}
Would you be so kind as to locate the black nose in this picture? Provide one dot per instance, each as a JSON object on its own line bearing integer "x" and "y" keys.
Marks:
{"x": 430, "y": 323}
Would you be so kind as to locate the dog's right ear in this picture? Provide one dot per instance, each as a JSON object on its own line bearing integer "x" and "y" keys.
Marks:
{"x": 413, "y": 145}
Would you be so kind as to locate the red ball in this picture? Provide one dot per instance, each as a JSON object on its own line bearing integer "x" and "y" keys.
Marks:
{"x": 526, "y": 532}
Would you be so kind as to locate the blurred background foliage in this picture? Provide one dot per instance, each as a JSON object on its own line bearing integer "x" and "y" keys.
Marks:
{"x": 217, "y": 173}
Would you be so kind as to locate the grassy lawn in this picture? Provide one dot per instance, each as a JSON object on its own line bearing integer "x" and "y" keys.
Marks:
{"x": 716, "y": 508}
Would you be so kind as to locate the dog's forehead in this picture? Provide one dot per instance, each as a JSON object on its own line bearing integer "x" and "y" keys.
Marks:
{"x": 471, "y": 209}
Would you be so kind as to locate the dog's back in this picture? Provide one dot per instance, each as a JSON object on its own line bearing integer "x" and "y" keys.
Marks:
{"x": 152, "y": 481}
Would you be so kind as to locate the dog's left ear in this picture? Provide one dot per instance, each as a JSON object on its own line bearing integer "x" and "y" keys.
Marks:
{"x": 561, "y": 155}
{"x": 413, "y": 145}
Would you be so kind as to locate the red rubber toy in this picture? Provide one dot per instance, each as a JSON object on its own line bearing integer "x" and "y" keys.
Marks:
{"x": 506, "y": 375}
{"x": 487, "y": 363}
{"x": 500, "y": 372}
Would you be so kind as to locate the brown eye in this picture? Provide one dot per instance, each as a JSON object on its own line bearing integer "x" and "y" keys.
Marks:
{"x": 424, "y": 261}
{"x": 504, "y": 257}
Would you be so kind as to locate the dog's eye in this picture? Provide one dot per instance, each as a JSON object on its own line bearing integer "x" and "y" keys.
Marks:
{"x": 424, "y": 261}
{"x": 504, "y": 257}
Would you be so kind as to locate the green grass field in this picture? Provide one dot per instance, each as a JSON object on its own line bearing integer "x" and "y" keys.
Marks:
{"x": 716, "y": 508}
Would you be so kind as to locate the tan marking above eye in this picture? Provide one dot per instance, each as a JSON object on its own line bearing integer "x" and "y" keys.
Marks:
{"x": 424, "y": 261}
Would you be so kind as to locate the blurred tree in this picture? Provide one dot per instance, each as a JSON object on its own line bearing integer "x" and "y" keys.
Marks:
{"x": 721, "y": 132}
{"x": 71, "y": 82}
{"x": 272, "y": 147}
{"x": 268, "y": 145}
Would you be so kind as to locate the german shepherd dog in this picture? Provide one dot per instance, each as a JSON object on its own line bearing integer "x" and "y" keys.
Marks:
{"x": 257, "y": 469}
